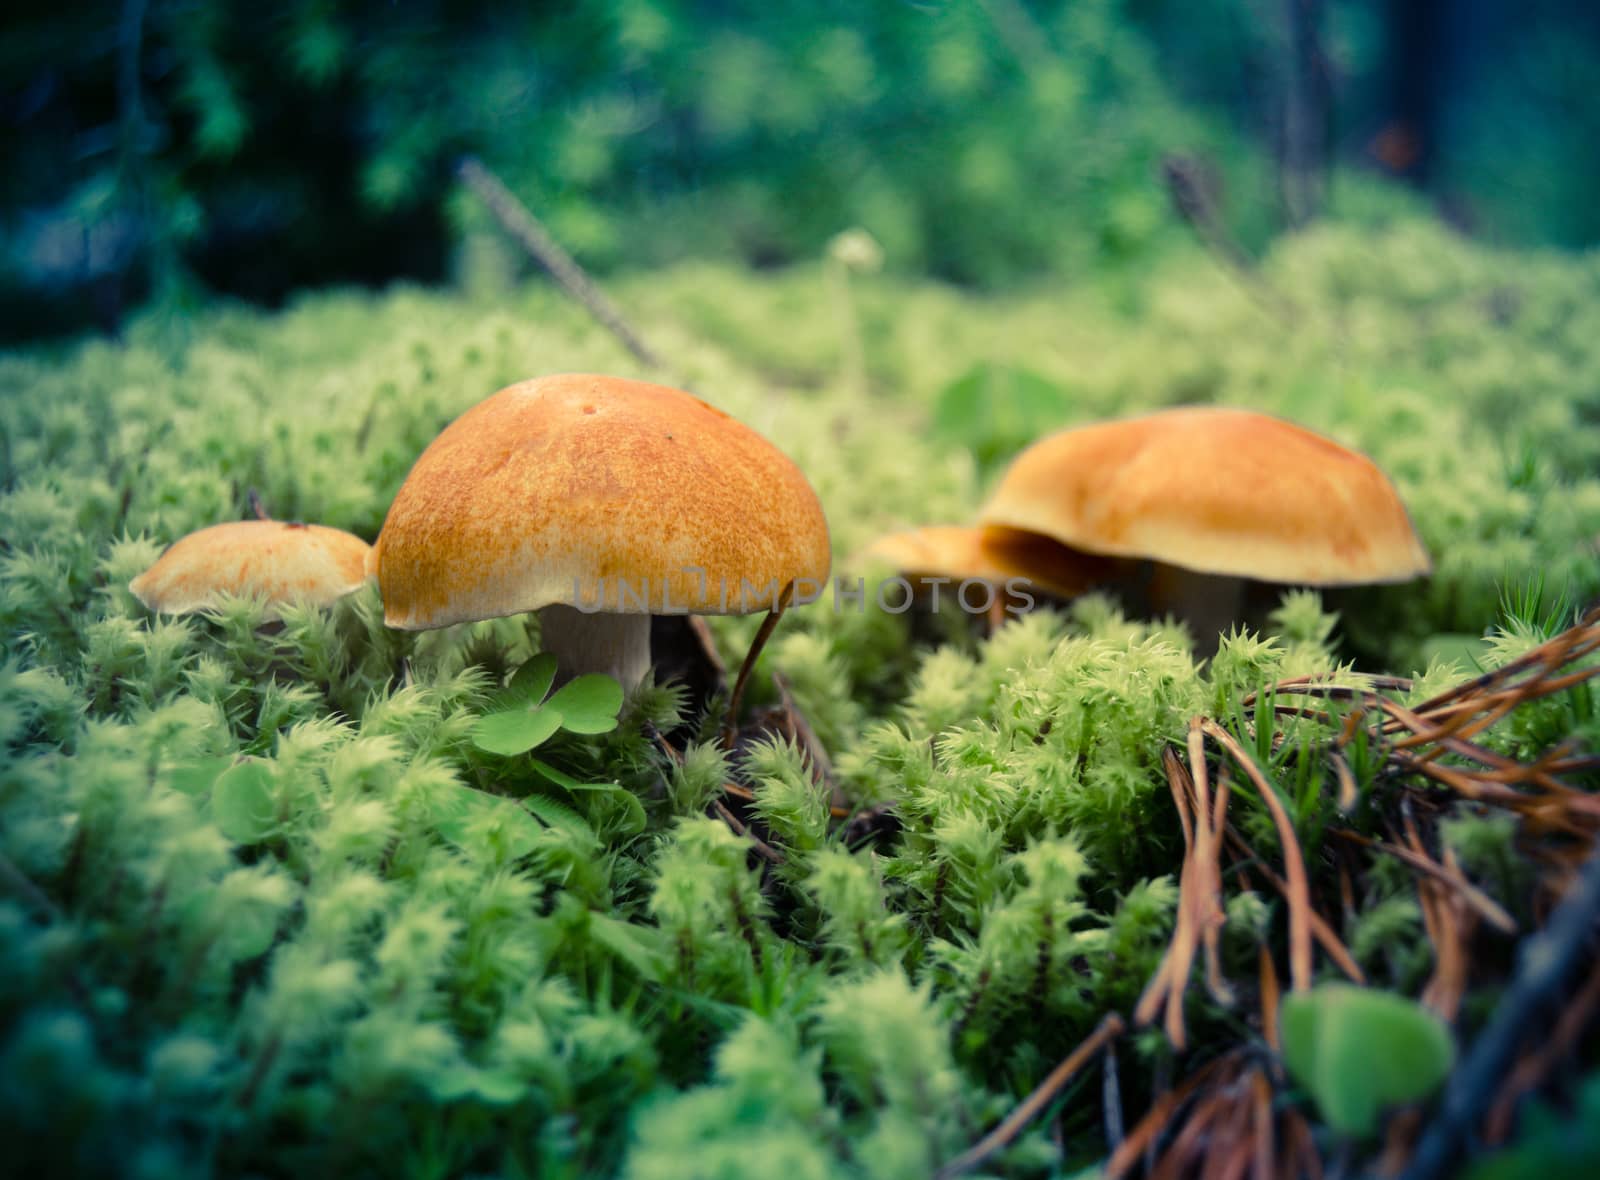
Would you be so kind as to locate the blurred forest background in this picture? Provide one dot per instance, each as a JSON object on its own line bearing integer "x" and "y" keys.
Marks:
{"x": 171, "y": 148}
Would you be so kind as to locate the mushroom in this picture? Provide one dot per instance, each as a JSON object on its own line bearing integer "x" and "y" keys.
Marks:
{"x": 276, "y": 560}
{"x": 1211, "y": 497}
{"x": 598, "y": 502}
{"x": 1011, "y": 561}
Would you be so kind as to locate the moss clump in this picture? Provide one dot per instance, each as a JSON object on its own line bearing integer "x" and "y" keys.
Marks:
{"x": 265, "y": 908}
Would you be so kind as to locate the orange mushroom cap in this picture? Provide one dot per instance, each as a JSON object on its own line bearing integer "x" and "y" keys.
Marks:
{"x": 600, "y": 493}
{"x": 275, "y": 560}
{"x": 1218, "y": 491}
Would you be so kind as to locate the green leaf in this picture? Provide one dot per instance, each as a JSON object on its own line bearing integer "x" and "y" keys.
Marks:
{"x": 562, "y": 779}
{"x": 531, "y": 683}
{"x": 560, "y": 817}
{"x": 636, "y": 821}
{"x": 195, "y": 778}
{"x": 1359, "y": 1050}
{"x": 244, "y": 803}
{"x": 515, "y": 731}
{"x": 996, "y": 410}
{"x": 588, "y": 704}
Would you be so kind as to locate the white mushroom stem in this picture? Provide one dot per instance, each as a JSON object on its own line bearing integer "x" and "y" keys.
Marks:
{"x": 617, "y": 645}
{"x": 1211, "y": 604}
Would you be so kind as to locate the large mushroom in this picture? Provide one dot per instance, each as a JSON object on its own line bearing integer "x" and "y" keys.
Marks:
{"x": 1210, "y": 497}
{"x": 598, "y": 502}
{"x": 275, "y": 560}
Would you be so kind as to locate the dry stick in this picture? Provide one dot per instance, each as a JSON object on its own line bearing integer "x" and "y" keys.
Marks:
{"x": 1194, "y": 199}
{"x": 1349, "y": 791}
{"x": 1167, "y": 985}
{"x": 1266, "y": 1148}
{"x": 765, "y": 850}
{"x": 518, "y": 221}
{"x": 1442, "y": 935}
{"x": 730, "y": 724}
{"x": 1294, "y": 868}
{"x": 1111, "y": 1098}
{"x": 1449, "y": 983}
{"x": 1543, "y": 964}
{"x": 1211, "y": 932}
{"x": 1270, "y": 993}
{"x": 1321, "y": 686}
{"x": 1200, "y": 916}
{"x": 1196, "y": 1137}
{"x": 708, "y": 648}
{"x": 1531, "y": 1070}
{"x": 1301, "y": 1147}
{"x": 1149, "y": 1128}
{"x": 1491, "y": 910}
{"x": 1030, "y": 1107}
{"x": 1320, "y": 930}
{"x": 1577, "y": 640}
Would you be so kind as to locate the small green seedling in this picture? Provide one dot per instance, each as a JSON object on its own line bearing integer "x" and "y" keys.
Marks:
{"x": 1359, "y": 1050}
{"x": 524, "y": 719}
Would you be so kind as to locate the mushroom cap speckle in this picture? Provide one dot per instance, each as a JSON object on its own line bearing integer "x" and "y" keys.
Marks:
{"x": 997, "y": 555}
{"x": 1219, "y": 491}
{"x": 600, "y": 493}
{"x": 274, "y": 560}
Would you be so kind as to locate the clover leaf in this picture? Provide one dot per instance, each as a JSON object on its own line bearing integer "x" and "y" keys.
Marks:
{"x": 588, "y": 704}
{"x": 515, "y": 731}
{"x": 524, "y": 719}
{"x": 1359, "y": 1050}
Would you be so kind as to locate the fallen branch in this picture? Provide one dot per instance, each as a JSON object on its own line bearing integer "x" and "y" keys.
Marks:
{"x": 1545, "y": 962}
{"x": 1030, "y": 1107}
{"x": 518, "y": 221}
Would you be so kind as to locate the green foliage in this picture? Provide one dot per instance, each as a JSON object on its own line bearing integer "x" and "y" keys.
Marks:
{"x": 1359, "y": 1051}
{"x": 310, "y": 143}
{"x": 524, "y": 718}
{"x": 298, "y": 912}
{"x": 995, "y": 411}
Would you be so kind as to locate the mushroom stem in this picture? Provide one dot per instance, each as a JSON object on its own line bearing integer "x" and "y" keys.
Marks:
{"x": 617, "y": 645}
{"x": 1209, "y": 603}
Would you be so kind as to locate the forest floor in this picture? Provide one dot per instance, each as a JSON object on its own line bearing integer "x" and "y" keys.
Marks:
{"x": 267, "y": 907}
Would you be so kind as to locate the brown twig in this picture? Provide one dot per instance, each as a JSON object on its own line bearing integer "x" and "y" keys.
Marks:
{"x": 518, "y": 221}
{"x": 766, "y": 851}
{"x": 1323, "y": 933}
{"x": 1030, "y": 1107}
{"x": 730, "y": 724}
{"x": 1545, "y": 961}
{"x": 1535, "y": 1066}
{"x": 1480, "y": 901}
{"x": 1298, "y": 894}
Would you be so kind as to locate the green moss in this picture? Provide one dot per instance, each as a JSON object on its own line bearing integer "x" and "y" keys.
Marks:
{"x": 292, "y": 919}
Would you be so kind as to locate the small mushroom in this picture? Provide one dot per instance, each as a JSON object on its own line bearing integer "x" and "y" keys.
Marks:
{"x": 276, "y": 560}
{"x": 598, "y": 502}
{"x": 1015, "y": 563}
{"x": 1211, "y": 497}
